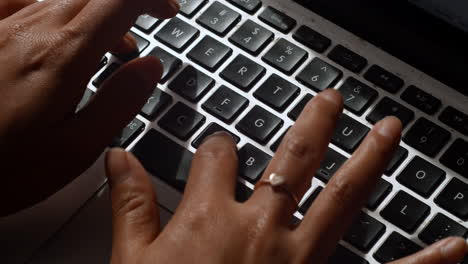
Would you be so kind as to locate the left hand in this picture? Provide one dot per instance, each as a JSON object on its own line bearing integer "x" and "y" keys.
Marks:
{"x": 48, "y": 52}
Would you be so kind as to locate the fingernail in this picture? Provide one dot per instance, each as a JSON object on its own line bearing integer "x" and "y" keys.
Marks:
{"x": 331, "y": 96}
{"x": 389, "y": 127}
{"x": 117, "y": 165}
{"x": 454, "y": 247}
{"x": 175, "y": 5}
{"x": 131, "y": 43}
{"x": 217, "y": 135}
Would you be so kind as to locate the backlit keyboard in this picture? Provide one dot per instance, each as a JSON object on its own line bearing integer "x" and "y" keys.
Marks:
{"x": 249, "y": 68}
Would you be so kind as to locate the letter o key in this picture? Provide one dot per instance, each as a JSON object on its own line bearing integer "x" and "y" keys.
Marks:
{"x": 421, "y": 175}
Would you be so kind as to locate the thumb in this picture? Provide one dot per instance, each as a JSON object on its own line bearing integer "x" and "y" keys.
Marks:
{"x": 135, "y": 216}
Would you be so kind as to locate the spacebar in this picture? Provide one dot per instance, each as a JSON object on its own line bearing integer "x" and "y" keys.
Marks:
{"x": 164, "y": 158}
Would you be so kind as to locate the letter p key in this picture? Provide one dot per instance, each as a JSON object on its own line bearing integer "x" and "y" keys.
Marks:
{"x": 459, "y": 196}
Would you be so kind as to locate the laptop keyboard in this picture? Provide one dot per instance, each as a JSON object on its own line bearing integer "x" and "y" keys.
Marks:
{"x": 249, "y": 69}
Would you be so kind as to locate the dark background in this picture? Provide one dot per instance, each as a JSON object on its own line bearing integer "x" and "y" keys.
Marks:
{"x": 405, "y": 31}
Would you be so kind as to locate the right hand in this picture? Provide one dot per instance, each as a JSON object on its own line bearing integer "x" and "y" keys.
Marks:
{"x": 210, "y": 227}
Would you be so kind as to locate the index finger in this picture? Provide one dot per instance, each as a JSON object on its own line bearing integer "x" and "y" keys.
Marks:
{"x": 102, "y": 23}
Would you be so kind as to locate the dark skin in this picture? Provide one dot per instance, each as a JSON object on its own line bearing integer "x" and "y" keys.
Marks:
{"x": 49, "y": 52}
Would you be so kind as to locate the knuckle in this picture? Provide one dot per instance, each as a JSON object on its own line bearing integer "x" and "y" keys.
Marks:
{"x": 341, "y": 192}
{"x": 131, "y": 202}
{"x": 201, "y": 216}
{"x": 71, "y": 33}
{"x": 301, "y": 147}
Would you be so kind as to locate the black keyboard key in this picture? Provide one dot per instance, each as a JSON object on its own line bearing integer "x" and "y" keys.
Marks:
{"x": 308, "y": 202}
{"x": 277, "y": 19}
{"x": 285, "y": 56}
{"x": 349, "y": 133}
{"x": 177, "y": 34}
{"x": 147, "y": 23}
{"x": 252, "y": 162}
{"x": 225, "y": 104}
{"x": 274, "y": 147}
{"x": 105, "y": 74}
{"x": 182, "y": 121}
{"x": 330, "y": 165}
{"x": 456, "y": 157}
{"x": 297, "y": 110}
{"x": 421, "y": 176}
{"x": 396, "y": 247}
{"x": 400, "y": 155}
{"x": 210, "y": 130}
{"x": 357, "y": 96}
{"x": 455, "y": 119}
{"x": 454, "y": 198}
{"x": 243, "y": 192}
{"x": 364, "y": 232}
{"x": 210, "y": 53}
{"x": 260, "y": 125}
{"x": 219, "y": 18}
{"x": 249, "y": 6}
{"x": 319, "y": 75}
{"x": 156, "y": 103}
{"x": 427, "y": 137}
{"x": 243, "y": 73}
{"x": 142, "y": 43}
{"x": 312, "y": 39}
{"x": 388, "y": 107}
{"x": 192, "y": 84}
{"x": 384, "y": 79}
{"x": 440, "y": 228}
{"x": 189, "y": 8}
{"x": 421, "y": 100}
{"x": 277, "y": 93}
{"x": 406, "y": 212}
{"x": 252, "y": 37}
{"x": 348, "y": 59}
{"x": 171, "y": 166}
{"x": 129, "y": 133}
{"x": 344, "y": 255}
{"x": 170, "y": 63}
{"x": 382, "y": 190}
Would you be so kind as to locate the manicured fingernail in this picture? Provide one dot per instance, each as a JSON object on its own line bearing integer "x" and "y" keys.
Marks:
{"x": 454, "y": 247}
{"x": 218, "y": 135}
{"x": 390, "y": 127}
{"x": 117, "y": 165}
{"x": 175, "y": 5}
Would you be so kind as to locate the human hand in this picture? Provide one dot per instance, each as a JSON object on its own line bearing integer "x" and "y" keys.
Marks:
{"x": 209, "y": 226}
{"x": 48, "y": 52}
